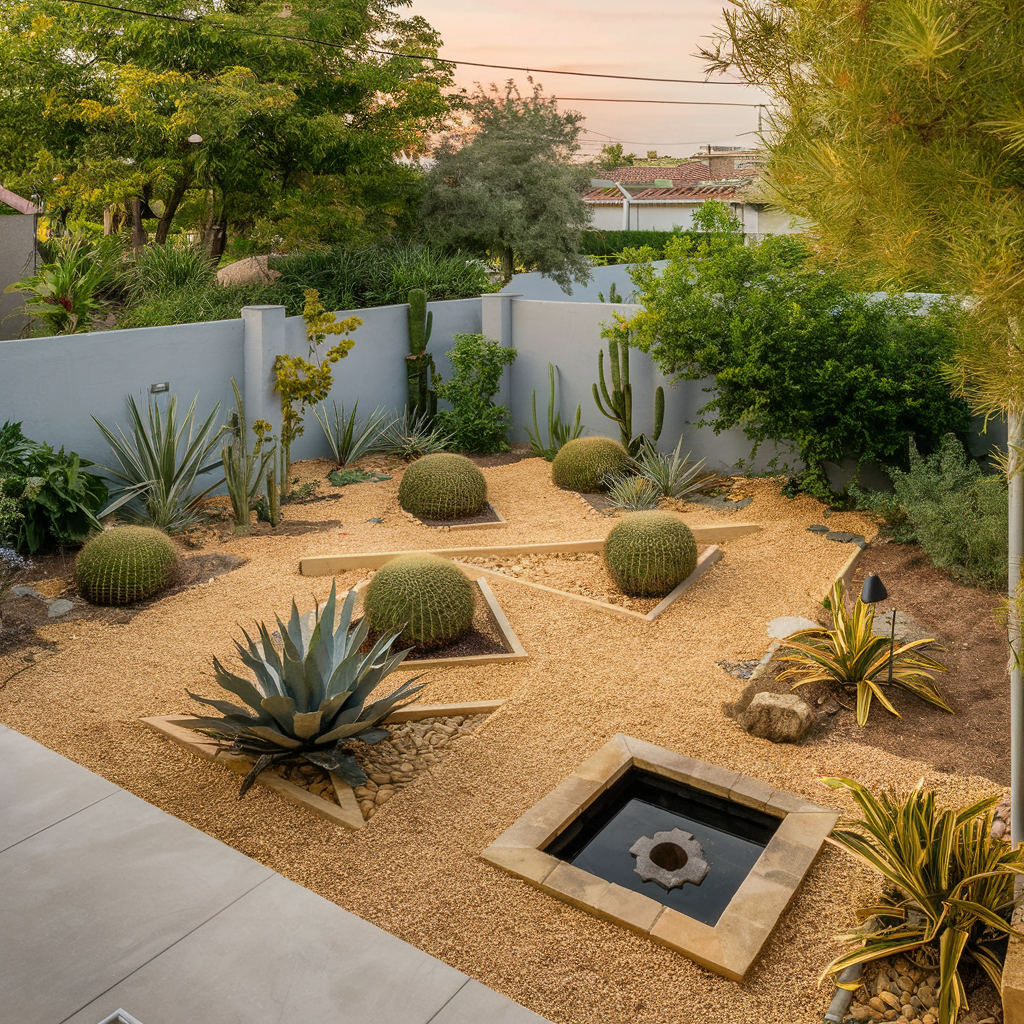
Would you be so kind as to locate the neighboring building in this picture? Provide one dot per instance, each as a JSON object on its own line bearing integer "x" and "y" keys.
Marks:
{"x": 17, "y": 258}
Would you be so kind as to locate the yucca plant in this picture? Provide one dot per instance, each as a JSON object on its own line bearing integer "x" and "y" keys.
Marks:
{"x": 949, "y": 884}
{"x": 674, "y": 476}
{"x": 309, "y": 700}
{"x": 349, "y": 438}
{"x": 409, "y": 436}
{"x": 631, "y": 493}
{"x": 851, "y": 655}
{"x": 159, "y": 463}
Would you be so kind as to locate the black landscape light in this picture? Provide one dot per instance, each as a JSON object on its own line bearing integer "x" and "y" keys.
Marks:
{"x": 873, "y": 592}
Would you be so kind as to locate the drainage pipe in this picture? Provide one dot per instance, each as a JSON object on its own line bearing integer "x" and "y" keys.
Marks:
{"x": 844, "y": 996}
{"x": 626, "y": 197}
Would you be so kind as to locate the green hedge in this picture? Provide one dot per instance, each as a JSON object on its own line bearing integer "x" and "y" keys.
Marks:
{"x": 608, "y": 244}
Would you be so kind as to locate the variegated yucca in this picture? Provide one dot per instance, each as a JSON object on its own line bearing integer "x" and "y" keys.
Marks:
{"x": 309, "y": 700}
{"x": 851, "y": 655}
{"x": 949, "y": 888}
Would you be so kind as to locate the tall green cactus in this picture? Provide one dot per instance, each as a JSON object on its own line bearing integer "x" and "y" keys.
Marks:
{"x": 420, "y": 363}
{"x": 619, "y": 400}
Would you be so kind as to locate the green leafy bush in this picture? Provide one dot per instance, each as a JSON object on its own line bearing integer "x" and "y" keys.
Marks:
{"x": 443, "y": 486}
{"x": 474, "y": 422}
{"x": 58, "y": 501}
{"x": 585, "y": 464}
{"x": 190, "y": 305}
{"x": 425, "y": 596}
{"x": 954, "y": 510}
{"x": 798, "y": 358}
{"x": 650, "y": 553}
{"x": 125, "y": 564}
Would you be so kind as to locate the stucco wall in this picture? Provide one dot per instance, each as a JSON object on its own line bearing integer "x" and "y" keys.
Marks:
{"x": 17, "y": 259}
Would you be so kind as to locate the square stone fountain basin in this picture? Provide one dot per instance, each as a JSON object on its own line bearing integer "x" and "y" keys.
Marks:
{"x": 749, "y": 845}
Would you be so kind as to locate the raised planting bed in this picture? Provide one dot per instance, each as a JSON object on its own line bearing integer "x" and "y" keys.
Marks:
{"x": 489, "y": 517}
{"x": 324, "y": 793}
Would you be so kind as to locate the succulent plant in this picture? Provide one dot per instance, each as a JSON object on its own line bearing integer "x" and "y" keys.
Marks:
{"x": 631, "y": 493}
{"x": 583, "y": 464}
{"x": 443, "y": 486}
{"x": 650, "y": 553}
{"x": 125, "y": 564}
{"x": 426, "y": 597}
{"x": 310, "y": 699}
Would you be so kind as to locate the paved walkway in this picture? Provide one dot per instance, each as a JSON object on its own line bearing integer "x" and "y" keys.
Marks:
{"x": 107, "y": 902}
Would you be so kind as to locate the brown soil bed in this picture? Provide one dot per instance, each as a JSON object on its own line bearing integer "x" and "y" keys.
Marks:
{"x": 488, "y": 515}
{"x": 976, "y": 739}
{"x": 575, "y": 572}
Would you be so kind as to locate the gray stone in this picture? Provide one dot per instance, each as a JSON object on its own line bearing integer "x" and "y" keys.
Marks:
{"x": 818, "y": 529}
{"x": 907, "y": 627}
{"x": 779, "y": 717}
{"x": 682, "y": 859}
{"x": 251, "y": 270}
{"x": 59, "y": 607}
{"x": 842, "y": 537}
{"x": 23, "y": 591}
{"x": 785, "y": 625}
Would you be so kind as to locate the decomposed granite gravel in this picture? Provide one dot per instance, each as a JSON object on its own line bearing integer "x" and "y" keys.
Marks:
{"x": 414, "y": 869}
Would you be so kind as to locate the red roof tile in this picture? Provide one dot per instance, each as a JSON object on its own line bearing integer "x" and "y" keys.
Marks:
{"x": 680, "y": 174}
{"x": 613, "y": 195}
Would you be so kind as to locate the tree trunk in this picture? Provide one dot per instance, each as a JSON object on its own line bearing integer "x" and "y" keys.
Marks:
{"x": 1015, "y": 423}
{"x": 138, "y": 231}
{"x": 170, "y": 209}
{"x": 508, "y": 264}
{"x": 218, "y": 238}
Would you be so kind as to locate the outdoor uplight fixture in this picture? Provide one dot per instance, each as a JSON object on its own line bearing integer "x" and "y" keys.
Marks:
{"x": 873, "y": 592}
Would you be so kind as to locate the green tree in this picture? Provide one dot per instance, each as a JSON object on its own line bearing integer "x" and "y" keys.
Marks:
{"x": 512, "y": 190}
{"x": 613, "y": 156}
{"x": 798, "y": 357}
{"x": 205, "y": 120}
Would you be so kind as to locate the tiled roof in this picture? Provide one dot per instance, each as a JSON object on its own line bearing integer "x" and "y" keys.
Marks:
{"x": 687, "y": 192}
{"x": 682, "y": 173}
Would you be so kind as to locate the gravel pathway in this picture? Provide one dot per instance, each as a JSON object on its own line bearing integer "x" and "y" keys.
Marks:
{"x": 414, "y": 869}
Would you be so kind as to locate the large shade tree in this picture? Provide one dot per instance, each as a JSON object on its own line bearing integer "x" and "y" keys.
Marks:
{"x": 513, "y": 191}
{"x": 288, "y": 136}
{"x": 899, "y": 133}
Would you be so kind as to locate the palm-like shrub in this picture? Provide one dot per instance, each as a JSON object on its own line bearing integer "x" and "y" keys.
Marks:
{"x": 649, "y": 554}
{"x": 949, "y": 884}
{"x": 160, "y": 463}
{"x": 851, "y": 655}
{"x": 582, "y": 465}
{"x": 310, "y": 699}
{"x": 425, "y": 597}
{"x": 126, "y": 564}
{"x": 443, "y": 486}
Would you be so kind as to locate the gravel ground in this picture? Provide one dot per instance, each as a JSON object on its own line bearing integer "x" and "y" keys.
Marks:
{"x": 414, "y": 871}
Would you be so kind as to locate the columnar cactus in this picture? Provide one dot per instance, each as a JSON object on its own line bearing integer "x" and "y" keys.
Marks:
{"x": 619, "y": 400}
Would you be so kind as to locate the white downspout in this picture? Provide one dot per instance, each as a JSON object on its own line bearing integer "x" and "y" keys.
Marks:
{"x": 625, "y": 206}
{"x": 1015, "y": 424}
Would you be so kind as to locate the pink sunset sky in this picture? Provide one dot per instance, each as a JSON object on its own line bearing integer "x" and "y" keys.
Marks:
{"x": 609, "y": 36}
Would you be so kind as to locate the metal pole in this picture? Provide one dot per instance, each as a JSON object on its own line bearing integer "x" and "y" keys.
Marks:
{"x": 1015, "y": 424}
{"x": 892, "y": 642}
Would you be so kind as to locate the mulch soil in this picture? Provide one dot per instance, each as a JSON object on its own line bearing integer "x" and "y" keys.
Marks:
{"x": 488, "y": 515}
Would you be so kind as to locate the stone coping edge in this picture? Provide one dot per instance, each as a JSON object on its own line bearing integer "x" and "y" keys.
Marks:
{"x": 734, "y": 943}
{"x": 330, "y": 565}
{"x": 346, "y": 811}
{"x": 492, "y": 525}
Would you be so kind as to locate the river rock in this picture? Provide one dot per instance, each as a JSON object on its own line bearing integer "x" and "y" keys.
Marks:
{"x": 779, "y": 717}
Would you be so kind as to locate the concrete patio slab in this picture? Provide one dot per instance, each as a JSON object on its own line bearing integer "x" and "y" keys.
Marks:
{"x": 36, "y": 792}
{"x": 283, "y": 953}
{"x": 475, "y": 1003}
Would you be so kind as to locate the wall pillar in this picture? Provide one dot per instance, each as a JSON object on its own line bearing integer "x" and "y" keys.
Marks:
{"x": 263, "y": 339}
{"x": 496, "y": 323}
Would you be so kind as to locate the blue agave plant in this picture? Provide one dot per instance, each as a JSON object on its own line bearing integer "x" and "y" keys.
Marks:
{"x": 310, "y": 699}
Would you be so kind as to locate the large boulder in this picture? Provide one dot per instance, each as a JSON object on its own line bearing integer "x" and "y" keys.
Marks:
{"x": 779, "y": 717}
{"x": 251, "y": 270}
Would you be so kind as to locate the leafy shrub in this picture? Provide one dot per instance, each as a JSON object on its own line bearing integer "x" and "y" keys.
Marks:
{"x": 125, "y": 564}
{"x": 632, "y": 493}
{"x": 475, "y": 423}
{"x": 425, "y": 596}
{"x": 12, "y": 568}
{"x": 58, "y": 501}
{"x": 190, "y": 305}
{"x": 948, "y": 885}
{"x": 585, "y": 464}
{"x": 851, "y": 655}
{"x": 160, "y": 463}
{"x": 443, "y": 486}
{"x": 649, "y": 554}
{"x": 409, "y": 436}
{"x": 310, "y": 700}
{"x": 10, "y": 516}
{"x": 158, "y": 269}
{"x": 955, "y": 511}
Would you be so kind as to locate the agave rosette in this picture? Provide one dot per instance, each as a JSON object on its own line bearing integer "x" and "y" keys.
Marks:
{"x": 311, "y": 698}
{"x": 850, "y": 654}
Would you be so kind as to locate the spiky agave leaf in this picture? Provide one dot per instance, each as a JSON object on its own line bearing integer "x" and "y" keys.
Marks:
{"x": 309, "y": 696}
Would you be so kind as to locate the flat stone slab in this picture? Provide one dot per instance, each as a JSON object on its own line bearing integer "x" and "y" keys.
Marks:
{"x": 60, "y": 607}
{"x": 786, "y": 625}
{"x": 907, "y": 627}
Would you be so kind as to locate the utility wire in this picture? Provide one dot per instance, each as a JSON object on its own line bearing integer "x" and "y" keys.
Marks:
{"x": 394, "y": 53}
{"x": 680, "y": 103}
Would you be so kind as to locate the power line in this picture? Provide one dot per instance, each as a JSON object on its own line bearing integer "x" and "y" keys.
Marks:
{"x": 395, "y": 53}
{"x": 679, "y": 103}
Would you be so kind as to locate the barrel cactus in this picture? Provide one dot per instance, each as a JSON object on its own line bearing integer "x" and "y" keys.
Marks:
{"x": 443, "y": 486}
{"x": 125, "y": 564}
{"x": 425, "y": 596}
{"x": 582, "y": 465}
{"x": 650, "y": 553}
